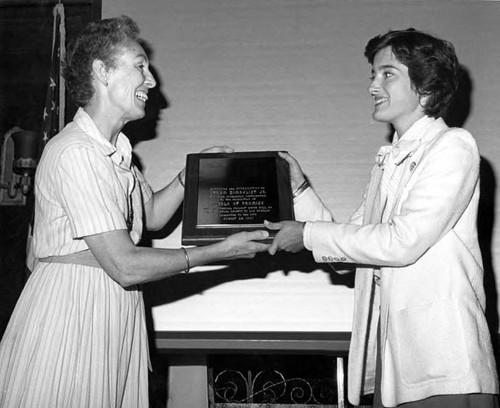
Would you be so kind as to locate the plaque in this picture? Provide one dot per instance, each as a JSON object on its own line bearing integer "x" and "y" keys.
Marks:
{"x": 232, "y": 192}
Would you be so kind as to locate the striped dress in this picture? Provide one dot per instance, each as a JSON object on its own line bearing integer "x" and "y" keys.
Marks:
{"x": 77, "y": 338}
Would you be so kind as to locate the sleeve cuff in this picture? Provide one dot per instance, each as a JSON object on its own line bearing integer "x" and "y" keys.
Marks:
{"x": 297, "y": 195}
{"x": 306, "y": 236}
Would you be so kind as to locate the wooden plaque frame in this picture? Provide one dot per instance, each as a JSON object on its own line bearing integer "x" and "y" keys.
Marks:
{"x": 232, "y": 192}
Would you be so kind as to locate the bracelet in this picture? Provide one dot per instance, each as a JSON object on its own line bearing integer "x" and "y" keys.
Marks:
{"x": 300, "y": 189}
{"x": 188, "y": 265}
{"x": 180, "y": 179}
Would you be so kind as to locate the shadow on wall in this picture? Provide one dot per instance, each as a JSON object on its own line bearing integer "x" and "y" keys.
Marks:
{"x": 457, "y": 115}
{"x": 183, "y": 286}
{"x": 145, "y": 129}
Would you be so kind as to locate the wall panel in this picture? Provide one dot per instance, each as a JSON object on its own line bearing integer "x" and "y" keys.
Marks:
{"x": 290, "y": 75}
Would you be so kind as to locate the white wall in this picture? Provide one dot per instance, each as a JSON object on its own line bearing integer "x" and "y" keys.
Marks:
{"x": 290, "y": 75}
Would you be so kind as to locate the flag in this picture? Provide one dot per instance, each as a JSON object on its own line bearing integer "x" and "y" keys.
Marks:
{"x": 53, "y": 112}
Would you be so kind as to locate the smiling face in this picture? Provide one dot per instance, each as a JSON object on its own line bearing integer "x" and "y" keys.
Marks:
{"x": 396, "y": 102}
{"x": 128, "y": 83}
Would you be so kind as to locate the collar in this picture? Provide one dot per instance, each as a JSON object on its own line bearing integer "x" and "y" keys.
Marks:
{"x": 416, "y": 131}
{"x": 404, "y": 146}
{"x": 121, "y": 154}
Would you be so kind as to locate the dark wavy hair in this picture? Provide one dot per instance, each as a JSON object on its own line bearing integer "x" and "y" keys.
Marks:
{"x": 433, "y": 66}
{"x": 99, "y": 40}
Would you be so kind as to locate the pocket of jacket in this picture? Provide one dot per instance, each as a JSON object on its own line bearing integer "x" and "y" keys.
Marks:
{"x": 430, "y": 341}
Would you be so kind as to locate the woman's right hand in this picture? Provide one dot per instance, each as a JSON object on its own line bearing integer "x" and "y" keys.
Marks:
{"x": 296, "y": 175}
{"x": 244, "y": 244}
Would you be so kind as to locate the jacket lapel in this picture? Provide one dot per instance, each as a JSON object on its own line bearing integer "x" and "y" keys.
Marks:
{"x": 373, "y": 210}
{"x": 428, "y": 141}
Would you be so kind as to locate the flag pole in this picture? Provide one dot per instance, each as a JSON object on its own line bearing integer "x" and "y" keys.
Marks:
{"x": 59, "y": 8}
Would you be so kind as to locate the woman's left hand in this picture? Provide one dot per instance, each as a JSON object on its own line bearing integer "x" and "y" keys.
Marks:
{"x": 296, "y": 174}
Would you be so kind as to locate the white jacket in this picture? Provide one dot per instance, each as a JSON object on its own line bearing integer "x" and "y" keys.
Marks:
{"x": 435, "y": 339}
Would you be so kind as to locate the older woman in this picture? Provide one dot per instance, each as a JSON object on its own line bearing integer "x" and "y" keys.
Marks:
{"x": 77, "y": 337}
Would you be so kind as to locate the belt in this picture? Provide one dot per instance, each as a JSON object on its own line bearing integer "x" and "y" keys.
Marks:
{"x": 86, "y": 258}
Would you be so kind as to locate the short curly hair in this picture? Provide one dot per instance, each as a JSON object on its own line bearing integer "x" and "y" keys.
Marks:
{"x": 98, "y": 40}
{"x": 433, "y": 66}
